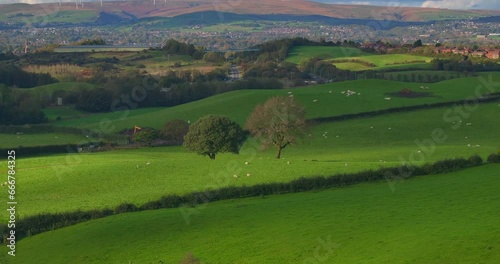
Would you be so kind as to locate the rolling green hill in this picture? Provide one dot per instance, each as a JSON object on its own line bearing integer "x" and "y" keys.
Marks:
{"x": 331, "y": 102}
{"x": 14, "y": 141}
{"x": 451, "y": 218}
{"x": 348, "y": 146}
{"x": 302, "y": 53}
{"x": 382, "y": 62}
{"x": 49, "y": 89}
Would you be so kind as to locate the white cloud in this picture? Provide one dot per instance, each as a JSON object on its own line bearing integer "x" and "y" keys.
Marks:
{"x": 462, "y": 4}
{"x": 451, "y": 4}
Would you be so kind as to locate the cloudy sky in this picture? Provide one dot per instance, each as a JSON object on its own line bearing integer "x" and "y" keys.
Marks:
{"x": 452, "y": 4}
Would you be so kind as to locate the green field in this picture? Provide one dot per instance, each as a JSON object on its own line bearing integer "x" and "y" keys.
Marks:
{"x": 49, "y": 89}
{"x": 302, "y": 53}
{"x": 450, "y": 218}
{"x": 123, "y": 176}
{"x": 238, "y": 104}
{"x": 14, "y": 141}
{"x": 382, "y": 61}
{"x": 19, "y": 13}
{"x": 73, "y": 16}
{"x": 53, "y": 113}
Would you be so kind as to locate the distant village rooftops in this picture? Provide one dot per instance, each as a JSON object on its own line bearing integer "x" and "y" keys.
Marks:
{"x": 102, "y": 48}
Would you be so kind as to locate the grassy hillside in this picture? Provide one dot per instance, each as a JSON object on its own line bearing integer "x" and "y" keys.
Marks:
{"x": 238, "y": 104}
{"x": 14, "y": 141}
{"x": 56, "y": 113}
{"x": 302, "y": 53}
{"x": 181, "y": 7}
{"x": 381, "y": 61}
{"x": 362, "y": 224}
{"x": 349, "y": 146}
{"x": 49, "y": 89}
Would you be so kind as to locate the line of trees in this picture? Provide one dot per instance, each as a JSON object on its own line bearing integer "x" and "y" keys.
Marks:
{"x": 19, "y": 109}
{"x": 168, "y": 91}
{"x": 471, "y": 65}
{"x": 11, "y": 75}
{"x": 173, "y": 46}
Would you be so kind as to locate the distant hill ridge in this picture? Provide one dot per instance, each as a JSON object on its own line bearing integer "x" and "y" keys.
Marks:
{"x": 172, "y": 8}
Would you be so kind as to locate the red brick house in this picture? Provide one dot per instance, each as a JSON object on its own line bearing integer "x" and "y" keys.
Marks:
{"x": 493, "y": 54}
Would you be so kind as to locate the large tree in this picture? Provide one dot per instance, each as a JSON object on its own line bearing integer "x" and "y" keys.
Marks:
{"x": 174, "y": 131}
{"x": 280, "y": 121}
{"x": 213, "y": 134}
{"x": 147, "y": 136}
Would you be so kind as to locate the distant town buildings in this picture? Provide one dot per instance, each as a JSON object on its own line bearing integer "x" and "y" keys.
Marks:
{"x": 490, "y": 54}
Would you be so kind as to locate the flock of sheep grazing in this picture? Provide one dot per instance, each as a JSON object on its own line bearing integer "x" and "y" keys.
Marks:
{"x": 349, "y": 93}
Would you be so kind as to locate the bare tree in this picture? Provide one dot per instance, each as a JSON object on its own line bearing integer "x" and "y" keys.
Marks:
{"x": 280, "y": 121}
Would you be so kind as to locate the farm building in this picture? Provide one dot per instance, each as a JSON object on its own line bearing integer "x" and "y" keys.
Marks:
{"x": 493, "y": 54}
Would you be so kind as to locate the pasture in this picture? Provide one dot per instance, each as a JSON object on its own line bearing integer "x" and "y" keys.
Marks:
{"x": 381, "y": 61}
{"x": 452, "y": 218}
{"x": 302, "y": 53}
{"x": 331, "y": 102}
{"x": 25, "y": 140}
{"x": 49, "y": 89}
{"x": 348, "y": 146}
{"x": 62, "y": 72}
{"x": 60, "y": 113}
{"x": 367, "y": 223}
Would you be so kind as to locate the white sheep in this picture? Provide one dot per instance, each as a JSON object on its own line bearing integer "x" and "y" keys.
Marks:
{"x": 248, "y": 174}
{"x": 235, "y": 176}
{"x": 315, "y": 100}
{"x": 246, "y": 162}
